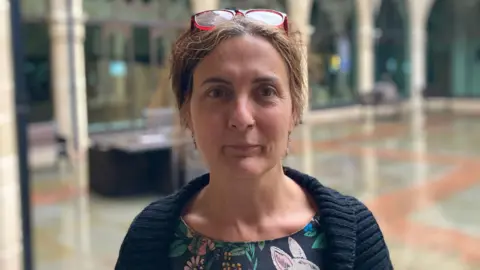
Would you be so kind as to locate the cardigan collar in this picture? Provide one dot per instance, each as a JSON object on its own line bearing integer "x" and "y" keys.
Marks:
{"x": 336, "y": 215}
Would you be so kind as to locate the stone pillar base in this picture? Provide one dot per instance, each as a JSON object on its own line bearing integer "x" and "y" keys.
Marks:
{"x": 70, "y": 107}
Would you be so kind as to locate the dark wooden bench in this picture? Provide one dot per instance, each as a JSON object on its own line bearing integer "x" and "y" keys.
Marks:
{"x": 131, "y": 164}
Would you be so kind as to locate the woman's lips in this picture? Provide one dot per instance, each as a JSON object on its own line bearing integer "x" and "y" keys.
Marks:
{"x": 243, "y": 149}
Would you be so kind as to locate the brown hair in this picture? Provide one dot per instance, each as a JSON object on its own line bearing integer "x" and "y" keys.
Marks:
{"x": 192, "y": 46}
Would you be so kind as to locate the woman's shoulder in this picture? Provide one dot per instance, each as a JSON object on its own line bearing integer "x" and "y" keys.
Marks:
{"x": 149, "y": 235}
{"x": 170, "y": 207}
{"x": 371, "y": 251}
{"x": 327, "y": 197}
{"x": 158, "y": 212}
{"x": 351, "y": 227}
{"x": 346, "y": 207}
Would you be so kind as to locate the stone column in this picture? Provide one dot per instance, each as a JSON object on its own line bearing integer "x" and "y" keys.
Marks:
{"x": 201, "y": 5}
{"x": 418, "y": 11}
{"x": 70, "y": 106}
{"x": 299, "y": 15}
{"x": 370, "y": 173}
{"x": 10, "y": 226}
{"x": 365, "y": 42}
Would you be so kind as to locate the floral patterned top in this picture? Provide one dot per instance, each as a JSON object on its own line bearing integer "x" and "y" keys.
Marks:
{"x": 301, "y": 250}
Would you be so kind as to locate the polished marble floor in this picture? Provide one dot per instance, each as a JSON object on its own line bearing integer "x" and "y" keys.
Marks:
{"x": 420, "y": 176}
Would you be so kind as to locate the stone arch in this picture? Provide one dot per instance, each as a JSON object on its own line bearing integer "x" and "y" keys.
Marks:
{"x": 332, "y": 53}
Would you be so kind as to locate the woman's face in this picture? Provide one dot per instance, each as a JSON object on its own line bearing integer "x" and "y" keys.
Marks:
{"x": 241, "y": 107}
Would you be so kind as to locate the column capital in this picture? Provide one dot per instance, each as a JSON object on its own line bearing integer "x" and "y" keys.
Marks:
{"x": 370, "y": 7}
{"x": 201, "y": 5}
{"x": 62, "y": 16}
{"x": 59, "y": 20}
{"x": 299, "y": 12}
{"x": 365, "y": 10}
{"x": 4, "y": 5}
{"x": 59, "y": 12}
{"x": 419, "y": 10}
{"x": 299, "y": 16}
{"x": 59, "y": 32}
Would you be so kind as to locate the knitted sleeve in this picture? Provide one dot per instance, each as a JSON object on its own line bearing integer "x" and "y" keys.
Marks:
{"x": 371, "y": 250}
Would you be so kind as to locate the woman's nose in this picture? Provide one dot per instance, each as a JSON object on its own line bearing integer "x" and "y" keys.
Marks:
{"x": 241, "y": 116}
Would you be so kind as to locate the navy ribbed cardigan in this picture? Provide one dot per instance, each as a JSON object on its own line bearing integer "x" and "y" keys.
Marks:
{"x": 353, "y": 237}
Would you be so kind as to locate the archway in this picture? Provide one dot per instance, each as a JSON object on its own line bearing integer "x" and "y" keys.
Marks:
{"x": 391, "y": 47}
{"x": 440, "y": 40}
{"x": 38, "y": 70}
{"x": 331, "y": 54}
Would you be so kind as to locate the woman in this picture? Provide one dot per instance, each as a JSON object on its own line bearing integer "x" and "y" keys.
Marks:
{"x": 237, "y": 79}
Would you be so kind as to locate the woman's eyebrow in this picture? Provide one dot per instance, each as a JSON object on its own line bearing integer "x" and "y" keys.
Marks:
{"x": 215, "y": 80}
{"x": 262, "y": 79}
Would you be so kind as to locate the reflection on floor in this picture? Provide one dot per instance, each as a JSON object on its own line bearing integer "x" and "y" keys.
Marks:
{"x": 420, "y": 178}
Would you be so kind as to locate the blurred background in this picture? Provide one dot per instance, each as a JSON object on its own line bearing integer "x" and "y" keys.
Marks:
{"x": 393, "y": 119}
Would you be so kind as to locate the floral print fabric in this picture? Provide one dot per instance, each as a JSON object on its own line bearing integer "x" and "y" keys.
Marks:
{"x": 301, "y": 250}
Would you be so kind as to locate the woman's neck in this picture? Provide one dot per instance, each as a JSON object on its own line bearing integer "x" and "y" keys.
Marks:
{"x": 248, "y": 201}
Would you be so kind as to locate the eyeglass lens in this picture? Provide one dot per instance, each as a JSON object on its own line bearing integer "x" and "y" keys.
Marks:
{"x": 211, "y": 18}
{"x": 267, "y": 17}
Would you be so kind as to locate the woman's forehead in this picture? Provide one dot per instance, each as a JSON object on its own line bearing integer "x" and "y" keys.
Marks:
{"x": 243, "y": 46}
{"x": 243, "y": 56}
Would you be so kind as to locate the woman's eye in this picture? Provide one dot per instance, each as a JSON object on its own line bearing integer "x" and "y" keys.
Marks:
{"x": 216, "y": 93}
{"x": 267, "y": 91}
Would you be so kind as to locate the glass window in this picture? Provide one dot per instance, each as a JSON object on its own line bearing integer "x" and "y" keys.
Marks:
{"x": 127, "y": 73}
{"x": 107, "y": 55}
{"x": 162, "y": 96}
{"x": 454, "y": 49}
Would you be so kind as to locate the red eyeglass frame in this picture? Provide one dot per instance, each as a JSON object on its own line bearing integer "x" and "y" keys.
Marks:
{"x": 237, "y": 12}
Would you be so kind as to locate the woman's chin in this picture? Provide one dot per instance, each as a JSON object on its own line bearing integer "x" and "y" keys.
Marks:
{"x": 250, "y": 167}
